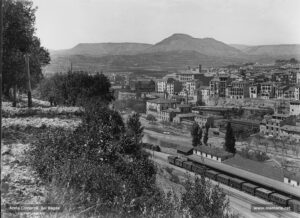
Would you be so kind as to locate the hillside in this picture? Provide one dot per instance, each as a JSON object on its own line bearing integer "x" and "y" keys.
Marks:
{"x": 102, "y": 49}
{"x": 174, "y": 52}
{"x": 275, "y": 51}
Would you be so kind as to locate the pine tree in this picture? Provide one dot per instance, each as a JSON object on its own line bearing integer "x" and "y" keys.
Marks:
{"x": 135, "y": 127}
{"x": 229, "y": 140}
{"x": 205, "y": 138}
{"x": 196, "y": 133}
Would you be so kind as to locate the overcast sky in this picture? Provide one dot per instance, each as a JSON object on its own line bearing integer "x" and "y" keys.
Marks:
{"x": 65, "y": 23}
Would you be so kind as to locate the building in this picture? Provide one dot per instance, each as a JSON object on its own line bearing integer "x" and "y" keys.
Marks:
{"x": 126, "y": 95}
{"x": 297, "y": 93}
{"x": 295, "y": 108}
{"x": 292, "y": 132}
{"x": 203, "y": 94}
{"x": 292, "y": 179}
{"x": 218, "y": 86}
{"x": 156, "y": 106}
{"x": 181, "y": 117}
{"x": 267, "y": 90}
{"x": 212, "y": 153}
{"x": 189, "y": 87}
{"x": 238, "y": 90}
{"x": 143, "y": 86}
{"x": 271, "y": 125}
{"x": 173, "y": 87}
{"x": 161, "y": 85}
{"x": 254, "y": 91}
{"x": 202, "y": 120}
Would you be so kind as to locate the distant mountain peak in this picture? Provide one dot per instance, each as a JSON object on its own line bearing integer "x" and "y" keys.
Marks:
{"x": 180, "y": 35}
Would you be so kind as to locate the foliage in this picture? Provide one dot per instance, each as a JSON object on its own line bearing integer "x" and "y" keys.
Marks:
{"x": 74, "y": 88}
{"x": 202, "y": 199}
{"x": 196, "y": 133}
{"x": 253, "y": 155}
{"x": 229, "y": 139}
{"x": 151, "y": 118}
{"x": 134, "y": 127}
{"x": 139, "y": 106}
{"x": 19, "y": 39}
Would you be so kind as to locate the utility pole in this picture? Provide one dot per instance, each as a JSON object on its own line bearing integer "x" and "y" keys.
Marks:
{"x": 1, "y": 68}
{"x": 28, "y": 77}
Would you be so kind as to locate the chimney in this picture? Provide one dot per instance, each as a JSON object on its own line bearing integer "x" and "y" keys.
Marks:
{"x": 200, "y": 68}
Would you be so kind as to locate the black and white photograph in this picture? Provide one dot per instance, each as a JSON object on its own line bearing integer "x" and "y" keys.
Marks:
{"x": 150, "y": 108}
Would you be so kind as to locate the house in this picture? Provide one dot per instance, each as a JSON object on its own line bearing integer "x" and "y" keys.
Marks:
{"x": 254, "y": 91}
{"x": 180, "y": 117}
{"x": 173, "y": 87}
{"x": 297, "y": 92}
{"x": 203, "y": 119}
{"x": 156, "y": 106}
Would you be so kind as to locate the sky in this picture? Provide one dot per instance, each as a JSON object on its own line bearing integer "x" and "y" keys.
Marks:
{"x": 62, "y": 24}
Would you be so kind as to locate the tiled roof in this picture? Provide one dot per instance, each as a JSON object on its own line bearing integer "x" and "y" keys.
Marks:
{"x": 255, "y": 167}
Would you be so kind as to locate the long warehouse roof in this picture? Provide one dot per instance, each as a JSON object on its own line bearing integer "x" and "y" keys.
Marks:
{"x": 271, "y": 183}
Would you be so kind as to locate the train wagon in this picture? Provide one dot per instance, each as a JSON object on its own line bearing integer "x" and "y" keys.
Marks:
{"x": 263, "y": 193}
{"x": 223, "y": 179}
{"x": 249, "y": 188}
{"x": 211, "y": 174}
{"x": 172, "y": 159}
{"x": 198, "y": 169}
{"x": 294, "y": 205}
{"x": 187, "y": 165}
{"x": 236, "y": 183}
{"x": 179, "y": 162}
{"x": 280, "y": 199}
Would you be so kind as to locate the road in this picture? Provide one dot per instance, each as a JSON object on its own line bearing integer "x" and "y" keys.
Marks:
{"x": 239, "y": 201}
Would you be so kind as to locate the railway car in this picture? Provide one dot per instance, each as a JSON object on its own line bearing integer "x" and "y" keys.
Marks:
{"x": 187, "y": 165}
{"x": 263, "y": 193}
{"x": 211, "y": 174}
{"x": 172, "y": 159}
{"x": 279, "y": 199}
{"x": 223, "y": 179}
{"x": 179, "y": 162}
{"x": 198, "y": 169}
{"x": 249, "y": 188}
{"x": 236, "y": 183}
{"x": 294, "y": 205}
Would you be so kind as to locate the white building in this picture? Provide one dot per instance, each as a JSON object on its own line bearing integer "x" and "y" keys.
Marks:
{"x": 253, "y": 92}
{"x": 295, "y": 108}
{"x": 161, "y": 85}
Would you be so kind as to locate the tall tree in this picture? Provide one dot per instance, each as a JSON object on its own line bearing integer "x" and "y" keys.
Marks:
{"x": 196, "y": 133}
{"x": 134, "y": 127}
{"x": 229, "y": 139}
{"x": 205, "y": 138}
{"x": 19, "y": 39}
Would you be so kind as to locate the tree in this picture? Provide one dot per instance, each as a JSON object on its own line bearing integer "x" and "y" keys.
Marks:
{"x": 205, "y": 138}
{"x": 19, "y": 39}
{"x": 134, "y": 127}
{"x": 196, "y": 133}
{"x": 202, "y": 199}
{"x": 229, "y": 139}
{"x": 151, "y": 118}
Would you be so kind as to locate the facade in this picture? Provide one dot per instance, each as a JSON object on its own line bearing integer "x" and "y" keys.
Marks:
{"x": 267, "y": 90}
{"x": 238, "y": 90}
{"x": 253, "y": 91}
{"x": 295, "y": 108}
{"x": 143, "y": 86}
{"x": 292, "y": 179}
{"x": 161, "y": 85}
{"x": 218, "y": 86}
{"x": 297, "y": 93}
{"x": 203, "y": 119}
{"x": 189, "y": 87}
{"x": 181, "y": 117}
{"x": 173, "y": 87}
{"x": 156, "y": 106}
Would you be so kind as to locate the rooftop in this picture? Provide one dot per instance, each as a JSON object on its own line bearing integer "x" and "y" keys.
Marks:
{"x": 213, "y": 151}
{"x": 162, "y": 101}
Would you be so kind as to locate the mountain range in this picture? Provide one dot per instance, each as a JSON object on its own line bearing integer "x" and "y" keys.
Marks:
{"x": 174, "y": 52}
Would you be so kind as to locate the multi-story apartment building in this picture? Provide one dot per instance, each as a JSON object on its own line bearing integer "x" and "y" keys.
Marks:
{"x": 156, "y": 106}
{"x": 267, "y": 90}
{"x": 295, "y": 107}
{"x": 161, "y": 85}
{"x": 297, "y": 92}
{"x": 218, "y": 86}
{"x": 254, "y": 91}
{"x": 203, "y": 94}
{"x": 238, "y": 90}
{"x": 189, "y": 87}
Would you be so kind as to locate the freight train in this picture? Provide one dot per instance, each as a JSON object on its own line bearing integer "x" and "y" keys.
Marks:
{"x": 237, "y": 183}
